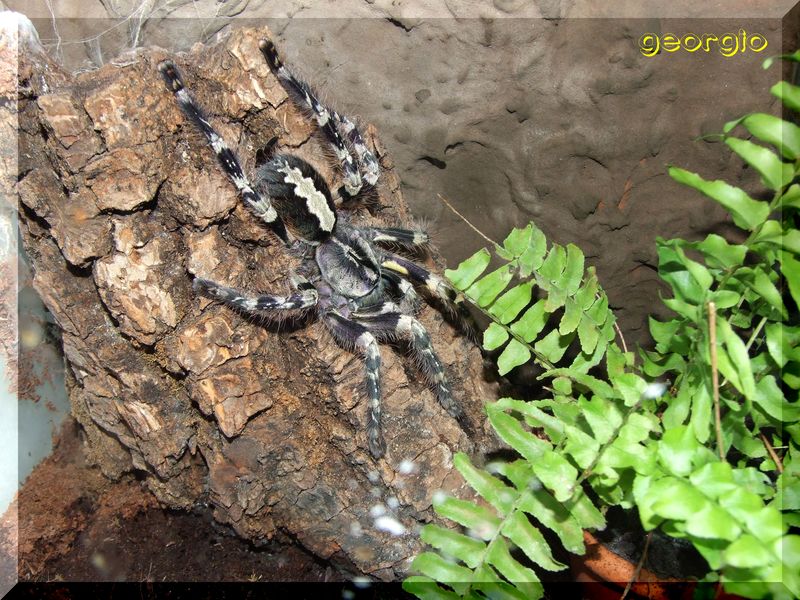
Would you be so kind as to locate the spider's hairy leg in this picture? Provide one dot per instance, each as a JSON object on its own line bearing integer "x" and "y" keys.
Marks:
{"x": 438, "y": 288}
{"x": 299, "y": 282}
{"x": 259, "y": 204}
{"x": 303, "y": 94}
{"x": 404, "y": 292}
{"x": 397, "y": 235}
{"x": 355, "y": 335}
{"x": 430, "y": 363}
{"x": 405, "y": 326}
{"x": 367, "y": 343}
{"x": 335, "y": 126}
{"x": 250, "y": 303}
{"x": 368, "y": 164}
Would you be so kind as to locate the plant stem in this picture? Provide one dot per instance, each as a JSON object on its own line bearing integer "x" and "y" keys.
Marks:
{"x": 539, "y": 356}
{"x": 621, "y": 338}
{"x": 755, "y": 333}
{"x": 774, "y": 455}
{"x": 638, "y": 570}
{"x": 463, "y": 218}
{"x": 712, "y": 334}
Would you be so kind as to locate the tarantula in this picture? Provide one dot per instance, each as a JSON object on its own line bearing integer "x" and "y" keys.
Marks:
{"x": 362, "y": 292}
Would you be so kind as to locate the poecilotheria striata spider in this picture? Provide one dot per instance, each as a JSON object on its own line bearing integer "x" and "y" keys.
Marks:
{"x": 361, "y": 291}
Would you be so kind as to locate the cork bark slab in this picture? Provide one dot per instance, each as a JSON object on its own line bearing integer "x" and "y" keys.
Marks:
{"x": 120, "y": 205}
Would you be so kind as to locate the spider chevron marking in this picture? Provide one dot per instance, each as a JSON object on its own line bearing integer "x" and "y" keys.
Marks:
{"x": 315, "y": 200}
{"x": 360, "y": 291}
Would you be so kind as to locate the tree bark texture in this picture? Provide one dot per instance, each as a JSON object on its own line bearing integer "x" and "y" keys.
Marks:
{"x": 121, "y": 203}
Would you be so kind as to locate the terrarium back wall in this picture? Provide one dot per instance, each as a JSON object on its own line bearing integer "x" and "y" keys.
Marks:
{"x": 564, "y": 121}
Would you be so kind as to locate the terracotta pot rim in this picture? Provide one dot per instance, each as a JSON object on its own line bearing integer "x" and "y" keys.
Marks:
{"x": 601, "y": 565}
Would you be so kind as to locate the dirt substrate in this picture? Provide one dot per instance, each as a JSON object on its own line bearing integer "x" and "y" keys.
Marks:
{"x": 90, "y": 529}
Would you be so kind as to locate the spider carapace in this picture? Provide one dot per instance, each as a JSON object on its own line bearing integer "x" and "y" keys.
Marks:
{"x": 360, "y": 290}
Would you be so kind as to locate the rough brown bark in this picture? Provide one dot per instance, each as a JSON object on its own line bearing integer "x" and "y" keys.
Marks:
{"x": 120, "y": 204}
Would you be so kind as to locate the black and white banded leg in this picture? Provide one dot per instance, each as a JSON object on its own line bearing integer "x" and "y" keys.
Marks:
{"x": 336, "y": 127}
{"x": 304, "y": 298}
{"x": 397, "y": 235}
{"x": 367, "y": 162}
{"x": 436, "y": 287}
{"x": 357, "y": 336}
{"x": 434, "y": 284}
{"x": 259, "y": 204}
{"x": 397, "y": 325}
{"x": 402, "y": 292}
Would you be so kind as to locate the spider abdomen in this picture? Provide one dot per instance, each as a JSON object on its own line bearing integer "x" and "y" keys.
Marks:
{"x": 300, "y": 195}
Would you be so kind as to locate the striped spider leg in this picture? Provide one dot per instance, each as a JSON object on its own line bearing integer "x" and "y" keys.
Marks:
{"x": 258, "y": 203}
{"x": 337, "y": 128}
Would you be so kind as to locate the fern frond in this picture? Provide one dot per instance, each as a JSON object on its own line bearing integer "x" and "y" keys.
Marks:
{"x": 553, "y": 293}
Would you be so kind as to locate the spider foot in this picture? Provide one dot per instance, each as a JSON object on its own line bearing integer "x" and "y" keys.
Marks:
{"x": 171, "y": 75}
{"x": 270, "y": 53}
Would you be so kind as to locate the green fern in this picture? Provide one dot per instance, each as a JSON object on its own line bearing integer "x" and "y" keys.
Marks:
{"x": 543, "y": 489}
{"x": 561, "y": 283}
{"x": 714, "y": 461}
